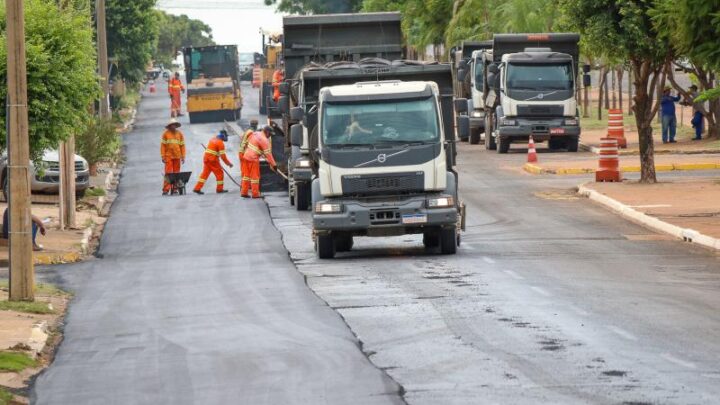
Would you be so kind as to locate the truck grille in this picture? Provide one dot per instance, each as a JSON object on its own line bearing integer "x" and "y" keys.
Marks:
{"x": 399, "y": 183}
{"x": 540, "y": 110}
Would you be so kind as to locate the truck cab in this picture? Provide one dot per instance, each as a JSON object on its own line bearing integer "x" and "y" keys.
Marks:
{"x": 383, "y": 166}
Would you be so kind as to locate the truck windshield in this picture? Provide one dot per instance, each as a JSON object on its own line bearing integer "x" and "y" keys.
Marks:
{"x": 539, "y": 81}
{"x": 380, "y": 122}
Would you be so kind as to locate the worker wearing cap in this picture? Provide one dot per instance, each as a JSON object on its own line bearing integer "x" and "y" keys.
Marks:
{"x": 172, "y": 151}
{"x": 258, "y": 145}
{"x": 175, "y": 88}
{"x": 244, "y": 167}
{"x": 214, "y": 152}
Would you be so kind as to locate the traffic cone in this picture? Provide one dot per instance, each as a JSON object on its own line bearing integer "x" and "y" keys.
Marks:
{"x": 152, "y": 87}
{"x": 532, "y": 153}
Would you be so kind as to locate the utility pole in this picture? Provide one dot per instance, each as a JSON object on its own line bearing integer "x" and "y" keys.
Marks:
{"x": 67, "y": 184}
{"x": 22, "y": 275}
{"x": 102, "y": 58}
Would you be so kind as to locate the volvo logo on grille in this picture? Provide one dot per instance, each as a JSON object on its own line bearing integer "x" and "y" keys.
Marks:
{"x": 382, "y": 158}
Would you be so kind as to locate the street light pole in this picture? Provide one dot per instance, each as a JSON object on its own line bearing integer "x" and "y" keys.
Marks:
{"x": 22, "y": 276}
{"x": 102, "y": 58}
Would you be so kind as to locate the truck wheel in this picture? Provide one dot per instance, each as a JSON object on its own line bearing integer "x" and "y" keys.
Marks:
{"x": 431, "y": 239}
{"x": 344, "y": 242}
{"x": 325, "y": 245}
{"x": 291, "y": 197}
{"x": 489, "y": 138}
{"x": 572, "y": 144}
{"x": 475, "y": 136}
{"x": 302, "y": 196}
{"x": 503, "y": 145}
{"x": 448, "y": 241}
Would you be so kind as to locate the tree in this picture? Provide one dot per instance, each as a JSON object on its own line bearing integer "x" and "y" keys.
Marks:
{"x": 177, "y": 32}
{"x": 131, "y": 35}
{"x": 424, "y": 21}
{"x": 61, "y": 72}
{"x": 316, "y": 6}
{"x": 623, "y": 30}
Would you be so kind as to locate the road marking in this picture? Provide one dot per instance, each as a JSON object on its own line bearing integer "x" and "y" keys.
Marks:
{"x": 672, "y": 359}
{"x": 488, "y": 260}
{"x": 541, "y": 291}
{"x": 514, "y": 275}
{"x": 622, "y": 332}
{"x": 577, "y": 310}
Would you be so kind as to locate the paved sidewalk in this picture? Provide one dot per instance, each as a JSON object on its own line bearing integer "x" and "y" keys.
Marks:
{"x": 686, "y": 209}
{"x": 582, "y": 163}
{"x": 590, "y": 141}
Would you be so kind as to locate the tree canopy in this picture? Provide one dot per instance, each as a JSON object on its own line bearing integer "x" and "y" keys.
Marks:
{"x": 316, "y": 6}
{"x": 177, "y": 32}
{"x": 132, "y": 34}
{"x": 61, "y": 72}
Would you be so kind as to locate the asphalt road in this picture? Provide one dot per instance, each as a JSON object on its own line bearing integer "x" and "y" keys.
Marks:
{"x": 195, "y": 301}
{"x": 550, "y": 299}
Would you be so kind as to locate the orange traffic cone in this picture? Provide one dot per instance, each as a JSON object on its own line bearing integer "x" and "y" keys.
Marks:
{"x": 532, "y": 153}
{"x": 152, "y": 87}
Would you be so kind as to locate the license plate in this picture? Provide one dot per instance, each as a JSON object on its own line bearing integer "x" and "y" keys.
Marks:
{"x": 414, "y": 219}
{"x": 557, "y": 131}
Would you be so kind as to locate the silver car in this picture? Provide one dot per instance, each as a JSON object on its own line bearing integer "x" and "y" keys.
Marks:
{"x": 47, "y": 180}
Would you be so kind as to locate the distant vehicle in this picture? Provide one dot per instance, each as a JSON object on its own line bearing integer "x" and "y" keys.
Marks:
{"x": 47, "y": 180}
{"x": 246, "y": 62}
{"x": 166, "y": 74}
{"x": 213, "y": 83}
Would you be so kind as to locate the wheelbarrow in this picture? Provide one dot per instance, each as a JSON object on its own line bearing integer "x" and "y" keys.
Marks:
{"x": 178, "y": 181}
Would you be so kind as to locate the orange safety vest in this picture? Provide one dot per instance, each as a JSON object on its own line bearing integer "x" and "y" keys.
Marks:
{"x": 259, "y": 145}
{"x": 245, "y": 140}
{"x": 278, "y": 77}
{"x": 175, "y": 86}
{"x": 172, "y": 145}
{"x": 215, "y": 151}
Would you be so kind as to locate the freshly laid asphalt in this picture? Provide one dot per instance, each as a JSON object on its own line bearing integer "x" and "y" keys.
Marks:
{"x": 194, "y": 300}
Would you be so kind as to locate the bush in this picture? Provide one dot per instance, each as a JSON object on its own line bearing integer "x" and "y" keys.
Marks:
{"x": 98, "y": 142}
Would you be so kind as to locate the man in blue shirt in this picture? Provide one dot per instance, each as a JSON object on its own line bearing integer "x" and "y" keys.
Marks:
{"x": 669, "y": 122}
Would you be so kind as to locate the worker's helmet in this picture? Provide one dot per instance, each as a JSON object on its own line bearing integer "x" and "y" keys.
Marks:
{"x": 223, "y": 135}
{"x": 267, "y": 130}
{"x": 254, "y": 124}
{"x": 173, "y": 124}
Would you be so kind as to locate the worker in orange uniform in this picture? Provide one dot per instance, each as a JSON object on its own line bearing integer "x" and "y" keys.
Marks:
{"x": 214, "y": 151}
{"x": 175, "y": 88}
{"x": 172, "y": 151}
{"x": 258, "y": 145}
{"x": 244, "y": 168}
{"x": 278, "y": 77}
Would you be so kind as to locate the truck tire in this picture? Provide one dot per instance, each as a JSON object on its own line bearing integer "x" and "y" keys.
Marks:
{"x": 302, "y": 196}
{"x": 344, "y": 242}
{"x": 475, "y": 136}
{"x": 489, "y": 138}
{"x": 503, "y": 145}
{"x": 572, "y": 144}
{"x": 325, "y": 245}
{"x": 431, "y": 239}
{"x": 448, "y": 241}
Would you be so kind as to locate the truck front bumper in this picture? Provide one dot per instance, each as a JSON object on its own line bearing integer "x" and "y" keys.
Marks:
{"x": 541, "y": 130}
{"x": 396, "y": 216}
{"x": 477, "y": 122}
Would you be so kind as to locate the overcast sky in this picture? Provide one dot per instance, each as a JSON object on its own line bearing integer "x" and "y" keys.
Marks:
{"x": 232, "y": 21}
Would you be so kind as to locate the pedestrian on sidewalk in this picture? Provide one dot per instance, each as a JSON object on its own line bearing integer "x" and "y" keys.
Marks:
{"x": 175, "y": 89}
{"x": 698, "y": 118}
{"x": 214, "y": 152}
{"x": 37, "y": 225}
{"x": 244, "y": 166}
{"x": 172, "y": 151}
{"x": 258, "y": 145}
{"x": 669, "y": 121}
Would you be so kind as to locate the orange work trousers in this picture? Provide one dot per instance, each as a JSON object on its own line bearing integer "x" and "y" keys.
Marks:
{"x": 175, "y": 104}
{"x": 215, "y": 169}
{"x": 250, "y": 177}
{"x": 171, "y": 166}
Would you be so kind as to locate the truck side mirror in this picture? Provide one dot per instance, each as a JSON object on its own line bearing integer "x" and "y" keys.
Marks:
{"x": 586, "y": 68}
{"x": 461, "y": 73}
{"x": 297, "y": 114}
{"x": 493, "y": 68}
{"x": 284, "y": 88}
{"x": 463, "y": 126}
{"x": 461, "y": 105}
{"x": 284, "y": 104}
{"x": 296, "y": 135}
{"x": 587, "y": 82}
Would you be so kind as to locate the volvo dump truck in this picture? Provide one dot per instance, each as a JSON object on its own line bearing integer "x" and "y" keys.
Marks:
{"x": 465, "y": 85}
{"x": 383, "y": 153}
{"x": 528, "y": 88}
{"x": 326, "y": 42}
{"x": 213, "y": 83}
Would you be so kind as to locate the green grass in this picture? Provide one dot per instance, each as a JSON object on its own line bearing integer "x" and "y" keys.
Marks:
{"x": 95, "y": 192}
{"x": 15, "y": 361}
{"x": 5, "y": 396}
{"x": 30, "y": 307}
{"x": 593, "y": 123}
{"x": 40, "y": 288}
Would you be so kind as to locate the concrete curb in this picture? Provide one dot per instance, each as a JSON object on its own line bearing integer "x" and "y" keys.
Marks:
{"x": 624, "y": 152}
{"x": 537, "y": 169}
{"x": 685, "y": 234}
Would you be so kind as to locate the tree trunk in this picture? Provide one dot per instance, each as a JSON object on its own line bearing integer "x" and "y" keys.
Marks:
{"x": 601, "y": 87}
{"x": 643, "y": 117}
{"x": 660, "y": 89}
{"x": 606, "y": 90}
{"x": 614, "y": 88}
{"x": 586, "y": 100}
{"x": 620, "y": 74}
{"x": 630, "y": 92}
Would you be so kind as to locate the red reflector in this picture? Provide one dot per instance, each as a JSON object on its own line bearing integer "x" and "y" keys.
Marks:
{"x": 538, "y": 37}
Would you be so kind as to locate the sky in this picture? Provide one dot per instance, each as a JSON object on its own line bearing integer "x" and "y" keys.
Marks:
{"x": 233, "y": 22}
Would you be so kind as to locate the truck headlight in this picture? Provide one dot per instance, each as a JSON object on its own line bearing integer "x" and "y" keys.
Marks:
{"x": 506, "y": 122}
{"x": 302, "y": 163}
{"x": 441, "y": 202}
{"x": 326, "y": 208}
{"x": 571, "y": 122}
{"x": 477, "y": 114}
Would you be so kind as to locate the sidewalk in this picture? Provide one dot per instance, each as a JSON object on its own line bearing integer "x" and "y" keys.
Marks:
{"x": 582, "y": 163}
{"x": 686, "y": 209}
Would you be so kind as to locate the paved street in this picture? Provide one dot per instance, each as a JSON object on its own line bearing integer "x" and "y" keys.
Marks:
{"x": 550, "y": 299}
{"x": 196, "y": 301}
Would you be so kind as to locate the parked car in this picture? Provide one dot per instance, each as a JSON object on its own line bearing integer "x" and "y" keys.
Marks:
{"x": 47, "y": 180}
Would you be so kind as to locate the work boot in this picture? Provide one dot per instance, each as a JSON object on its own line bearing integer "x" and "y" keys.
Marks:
{"x": 165, "y": 193}
{"x": 222, "y": 191}
{"x": 244, "y": 196}
{"x": 257, "y": 196}
{"x": 198, "y": 192}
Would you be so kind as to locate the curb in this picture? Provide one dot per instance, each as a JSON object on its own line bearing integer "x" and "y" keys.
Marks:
{"x": 536, "y": 169}
{"x": 685, "y": 234}
{"x": 624, "y": 152}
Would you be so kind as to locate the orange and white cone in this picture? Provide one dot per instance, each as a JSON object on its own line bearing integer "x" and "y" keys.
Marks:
{"x": 532, "y": 153}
